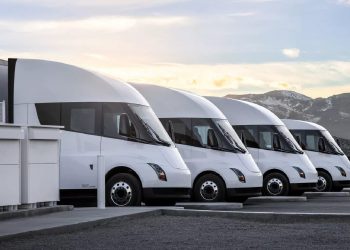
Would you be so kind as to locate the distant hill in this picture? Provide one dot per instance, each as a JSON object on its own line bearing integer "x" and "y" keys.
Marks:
{"x": 333, "y": 112}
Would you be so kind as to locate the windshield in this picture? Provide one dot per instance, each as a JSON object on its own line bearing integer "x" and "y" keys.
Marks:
{"x": 230, "y": 135}
{"x": 289, "y": 139}
{"x": 334, "y": 147}
{"x": 152, "y": 124}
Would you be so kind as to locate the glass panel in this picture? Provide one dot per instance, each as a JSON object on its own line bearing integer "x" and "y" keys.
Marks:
{"x": 248, "y": 135}
{"x": 49, "y": 113}
{"x": 182, "y": 132}
{"x": 83, "y": 120}
{"x": 230, "y": 134}
{"x": 151, "y": 122}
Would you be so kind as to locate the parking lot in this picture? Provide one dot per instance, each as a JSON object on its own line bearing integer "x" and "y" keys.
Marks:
{"x": 185, "y": 231}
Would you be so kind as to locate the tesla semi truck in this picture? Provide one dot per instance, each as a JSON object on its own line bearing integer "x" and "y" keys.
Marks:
{"x": 332, "y": 165}
{"x": 286, "y": 168}
{"x": 101, "y": 117}
{"x": 221, "y": 167}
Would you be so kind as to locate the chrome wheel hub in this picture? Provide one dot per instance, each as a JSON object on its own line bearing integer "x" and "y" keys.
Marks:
{"x": 321, "y": 184}
{"x": 275, "y": 186}
{"x": 209, "y": 190}
{"x": 121, "y": 193}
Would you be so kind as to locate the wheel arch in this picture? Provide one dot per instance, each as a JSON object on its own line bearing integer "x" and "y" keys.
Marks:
{"x": 120, "y": 170}
{"x": 208, "y": 172}
{"x": 270, "y": 171}
{"x": 326, "y": 171}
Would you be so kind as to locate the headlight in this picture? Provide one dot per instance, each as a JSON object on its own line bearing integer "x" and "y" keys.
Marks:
{"x": 300, "y": 171}
{"x": 159, "y": 171}
{"x": 341, "y": 170}
{"x": 239, "y": 174}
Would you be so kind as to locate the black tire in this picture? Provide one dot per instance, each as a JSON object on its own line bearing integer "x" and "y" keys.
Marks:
{"x": 129, "y": 189}
{"x": 275, "y": 184}
{"x": 325, "y": 182}
{"x": 161, "y": 202}
{"x": 240, "y": 199}
{"x": 209, "y": 188}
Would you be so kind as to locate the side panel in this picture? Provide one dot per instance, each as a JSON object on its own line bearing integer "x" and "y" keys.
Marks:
{"x": 79, "y": 153}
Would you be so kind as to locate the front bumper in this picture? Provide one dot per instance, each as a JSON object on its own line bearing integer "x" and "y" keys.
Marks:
{"x": 166, "y": 193}
{"x": 343, "y": 184}
{"x": 303, "y": 186}
{"x": 244, "y": 192}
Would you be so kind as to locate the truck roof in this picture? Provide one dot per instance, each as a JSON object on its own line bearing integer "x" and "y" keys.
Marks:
{"x": 245, "y": 113}
{"x": 41, "y": 81}
{"x": 172, "y": 103}
{"x": 302, "y": 125}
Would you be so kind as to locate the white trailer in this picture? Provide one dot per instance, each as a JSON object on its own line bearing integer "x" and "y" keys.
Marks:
{"x": 286, "y": 168}
{"x": 332, "y": 165}
{"x": 220, "y": 164}
{"x": 101, "y": 116}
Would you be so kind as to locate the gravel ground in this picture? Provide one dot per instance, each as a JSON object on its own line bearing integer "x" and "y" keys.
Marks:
{"x": 173, "y": 232}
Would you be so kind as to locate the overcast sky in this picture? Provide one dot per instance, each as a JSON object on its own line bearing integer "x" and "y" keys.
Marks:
{"x": 212, "y": 47}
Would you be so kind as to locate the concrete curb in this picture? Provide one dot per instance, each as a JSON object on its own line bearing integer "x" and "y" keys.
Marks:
{"x": 221, "y": 206}
{"x": 265, "y": 217}
{"x": 278, "y": 199}
{"x": 34, "y": 212}
{"x": 80, "y": 226}
{"x": 326, "y": 194}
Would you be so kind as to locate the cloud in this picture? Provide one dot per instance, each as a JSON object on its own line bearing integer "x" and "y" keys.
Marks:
{"x": 242, "y": 14}
{"x": 102, "y": 23}
{"x": 344, "y": 2}
{"x": 93, "y": 3}
{"x": 291, "y": 52}
{"x": 313, "y": 78}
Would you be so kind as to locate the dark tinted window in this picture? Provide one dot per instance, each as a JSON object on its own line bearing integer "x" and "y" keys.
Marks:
{"x": 182, "y": 129}
{"x": 82, "y": 117}
{"x": 248, "y": 135}
{"x": 111, "y": 118}
{"x": 49, "y": 113}
{"x": 200, "y": 128}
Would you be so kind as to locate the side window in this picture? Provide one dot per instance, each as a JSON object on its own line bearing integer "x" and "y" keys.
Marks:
{"x": 311, "y": 140}
{"x": 248, "y": 135}
{"x": 299, "y": 137}
{"x": 265, "y": 134}
{"x": 111, "y": 118}
{"x": 49, "y": 113}
{"x": 182, "y": 132}
{"x": 82, "y": 117}
{"x": 200, "y": 129}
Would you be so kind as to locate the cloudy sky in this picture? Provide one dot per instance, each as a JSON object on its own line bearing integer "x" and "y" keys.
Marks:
{"x": 210, "y": 47}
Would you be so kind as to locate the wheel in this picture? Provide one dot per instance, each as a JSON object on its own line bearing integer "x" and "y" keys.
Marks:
{"x": 240, "y": 199}
{"x": 324, "y": 183}
{"x": 209, "y": 188}
{"x": 161, "y": 202}
{"x": 123, "y": 190}
{"x": 275, "y": 184}
{"x": 337, "y": 189}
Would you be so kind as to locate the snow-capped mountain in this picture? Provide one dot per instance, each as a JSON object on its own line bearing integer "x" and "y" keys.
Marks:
{"x": 333, "y": 112}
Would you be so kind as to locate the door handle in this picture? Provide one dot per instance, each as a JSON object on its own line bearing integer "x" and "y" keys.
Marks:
{"x": 91, "y": 166}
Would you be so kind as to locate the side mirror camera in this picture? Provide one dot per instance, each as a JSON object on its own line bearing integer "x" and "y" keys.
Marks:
{"x": 276, "y": 141}
{"x": 212, "y": 140}
{"x": 321, "y": 145}
{"x": 169, "y": 127}
{"x": 124, "y": 125}
{"x": 337, "y": 141}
